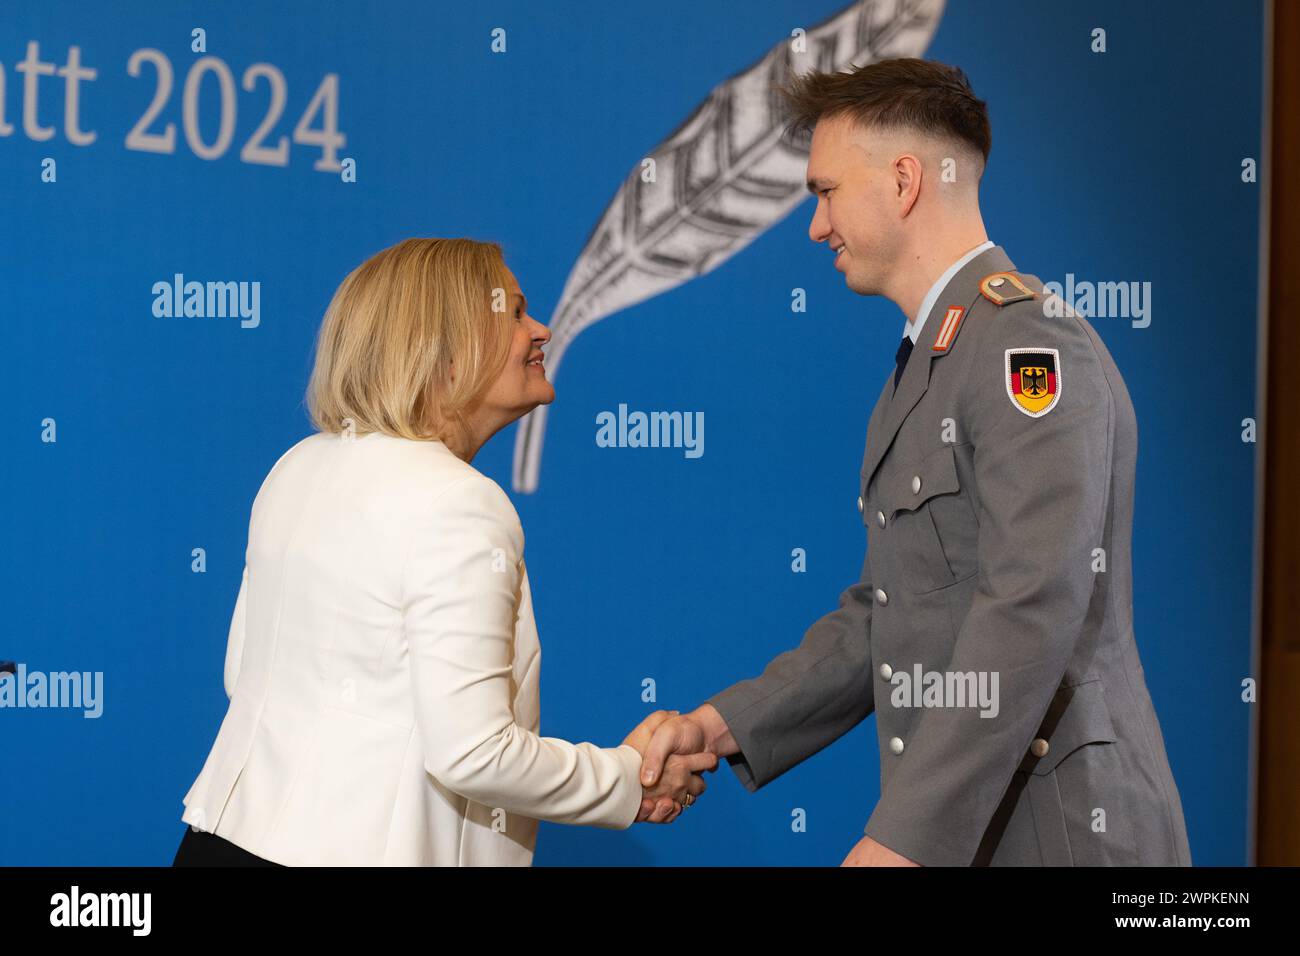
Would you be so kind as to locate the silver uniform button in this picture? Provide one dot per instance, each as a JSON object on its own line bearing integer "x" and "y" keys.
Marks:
{"x": 881, "y": 597}
{"x": 896, "y": 744}
{"x": 997, "y": 282}
{"x": 880, "y": 519}
{"x": 1039, "y": 747}
{"x": 886, "y": 671}
{"x": 859, "y": 504}
{"x": 916, "y": 484}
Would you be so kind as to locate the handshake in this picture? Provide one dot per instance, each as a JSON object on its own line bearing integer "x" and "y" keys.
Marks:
{"x": 675, "y": 749}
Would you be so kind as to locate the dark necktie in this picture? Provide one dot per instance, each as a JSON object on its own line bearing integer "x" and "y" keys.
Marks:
{"x": 904, "y": 353}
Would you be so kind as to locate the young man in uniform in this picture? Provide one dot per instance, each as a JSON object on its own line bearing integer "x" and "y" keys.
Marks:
{"x": 991, "y": 630}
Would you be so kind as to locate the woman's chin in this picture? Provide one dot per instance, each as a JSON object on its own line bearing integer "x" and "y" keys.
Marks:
{"x": 537, "y": 397}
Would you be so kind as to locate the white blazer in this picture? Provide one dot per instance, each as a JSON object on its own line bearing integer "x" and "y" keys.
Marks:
{"x": 383, "y": 669}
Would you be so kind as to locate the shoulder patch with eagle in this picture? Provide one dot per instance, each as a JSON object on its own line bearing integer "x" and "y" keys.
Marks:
{"x": 1033, "y": 377}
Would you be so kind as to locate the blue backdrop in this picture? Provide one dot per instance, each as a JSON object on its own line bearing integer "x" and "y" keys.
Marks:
{"x": 1115, "y": 166}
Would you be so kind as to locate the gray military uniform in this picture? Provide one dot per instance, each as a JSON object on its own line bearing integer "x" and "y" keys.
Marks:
{"x": 997, "y": 495}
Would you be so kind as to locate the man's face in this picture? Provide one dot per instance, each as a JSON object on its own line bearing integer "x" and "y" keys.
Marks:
{"x": 854, "y": 186}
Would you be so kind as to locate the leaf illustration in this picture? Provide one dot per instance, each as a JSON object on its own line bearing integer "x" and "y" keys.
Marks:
{"x": 723, "y": 177}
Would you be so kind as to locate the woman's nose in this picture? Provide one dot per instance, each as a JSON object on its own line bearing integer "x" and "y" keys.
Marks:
{"x": 541, "y": 333}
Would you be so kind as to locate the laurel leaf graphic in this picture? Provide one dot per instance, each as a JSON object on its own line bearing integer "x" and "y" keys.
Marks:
{"x": 729, "y": 172}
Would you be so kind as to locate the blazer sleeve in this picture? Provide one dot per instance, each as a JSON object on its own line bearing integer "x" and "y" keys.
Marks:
{"x": 239, "y": 620}
{"x": 807, "y": 697}
{"x": 461, "y": 584}
{"x": 1044, "y": 489}
{"x": 235, "y": 641}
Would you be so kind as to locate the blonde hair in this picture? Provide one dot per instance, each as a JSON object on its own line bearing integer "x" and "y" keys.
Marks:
{"x": 393, "y": 331}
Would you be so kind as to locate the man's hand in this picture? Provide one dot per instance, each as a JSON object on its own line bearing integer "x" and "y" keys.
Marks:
{"x": 662, "y": 801}
{"x": 870, "y": 853}
{"x": 676, "y": 735}
{"x": 699, "y": 737}
{"x": 642, "y": 733}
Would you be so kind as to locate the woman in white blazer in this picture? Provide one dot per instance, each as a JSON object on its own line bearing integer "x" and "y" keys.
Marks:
{"x": 383, "y": 664}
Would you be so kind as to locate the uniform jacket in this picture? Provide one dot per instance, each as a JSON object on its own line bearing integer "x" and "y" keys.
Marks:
{"x": 382, "y": 669}
{"x": 997, "y": 496}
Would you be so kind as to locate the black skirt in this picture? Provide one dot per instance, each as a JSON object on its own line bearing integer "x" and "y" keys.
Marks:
{"x": 207, "y": 849}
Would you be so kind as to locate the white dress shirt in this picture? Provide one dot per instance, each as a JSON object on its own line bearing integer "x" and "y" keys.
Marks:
{"x": 913, "y": 327}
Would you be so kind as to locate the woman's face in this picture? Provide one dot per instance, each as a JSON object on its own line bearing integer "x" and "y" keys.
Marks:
{"x": 522, "y": 384}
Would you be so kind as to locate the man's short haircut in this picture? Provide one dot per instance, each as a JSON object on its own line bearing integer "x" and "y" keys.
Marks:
{"x": 905, "y": 93}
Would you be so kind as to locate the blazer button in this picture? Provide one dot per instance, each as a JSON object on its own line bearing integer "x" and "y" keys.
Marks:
{"x": 896, "y": 744}
{"x": 880, "y": 519}
{"x": 1039, "y": 747}
{"x": 916, "y": 484}
{"x": 881, "y": 597}
{"x": 886, "y": 671}
{"x": 859, "y": 504}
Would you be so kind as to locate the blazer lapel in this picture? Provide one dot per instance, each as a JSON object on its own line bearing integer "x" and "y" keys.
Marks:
{"x": 962, "y": 290}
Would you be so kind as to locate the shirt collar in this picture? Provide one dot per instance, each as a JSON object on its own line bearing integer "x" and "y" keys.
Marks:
{"x": 913, "y": 329}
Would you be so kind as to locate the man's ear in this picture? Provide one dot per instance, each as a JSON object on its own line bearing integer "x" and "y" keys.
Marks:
{"x": 907, "y": 172}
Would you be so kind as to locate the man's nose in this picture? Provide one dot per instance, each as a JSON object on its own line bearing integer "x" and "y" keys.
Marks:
{"x": 819, "y": 229}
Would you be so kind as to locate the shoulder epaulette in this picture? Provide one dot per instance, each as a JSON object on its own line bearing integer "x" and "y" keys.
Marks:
{"x": 1003, "y": 288}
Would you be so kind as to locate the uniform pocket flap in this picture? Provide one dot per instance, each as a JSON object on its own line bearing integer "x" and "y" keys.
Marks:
{"x": 1078, "y": 715}
{"x": 917, "y": 484}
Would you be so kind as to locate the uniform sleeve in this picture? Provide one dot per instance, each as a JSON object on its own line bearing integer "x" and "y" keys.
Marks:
{"x": 462, "y": 582}
{"x": 235, "y": 640}
{"x": 807, "y": 697}
{"x": 1043, "y": 488}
